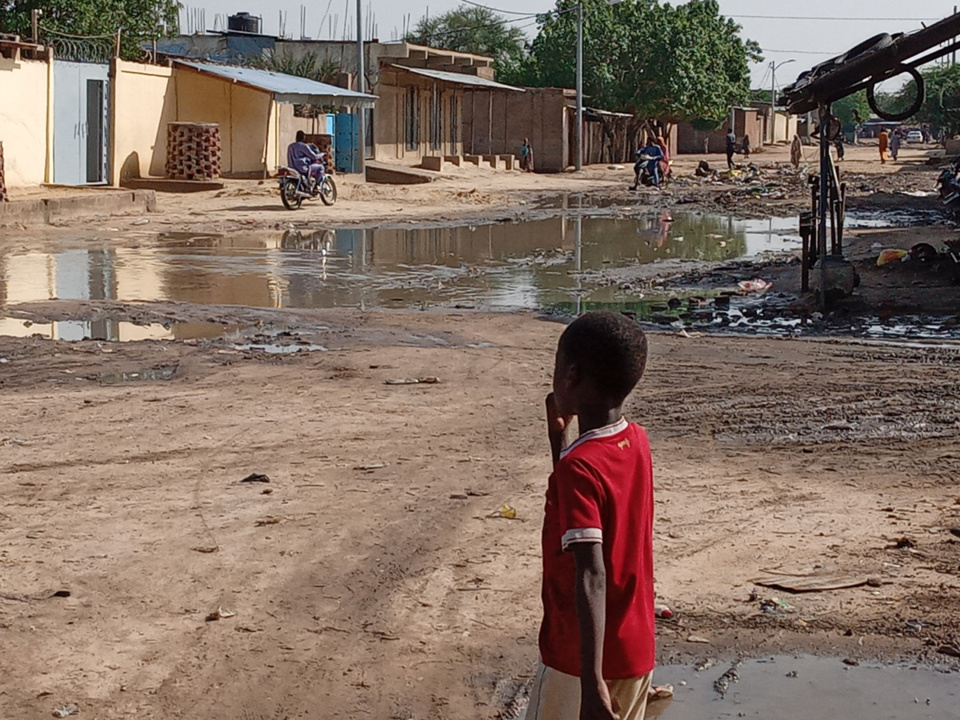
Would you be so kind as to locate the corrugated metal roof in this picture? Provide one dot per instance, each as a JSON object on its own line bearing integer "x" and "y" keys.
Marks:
{"x": 285, "y": 88}
{"x": 459, "y": 78}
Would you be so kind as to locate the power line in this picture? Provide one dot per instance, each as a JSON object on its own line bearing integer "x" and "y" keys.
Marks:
{"x": 497, "y": 10}
{"x": 837, "y": 19}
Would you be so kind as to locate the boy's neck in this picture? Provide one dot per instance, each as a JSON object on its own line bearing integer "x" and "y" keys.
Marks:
{"x": 589, "y": 419}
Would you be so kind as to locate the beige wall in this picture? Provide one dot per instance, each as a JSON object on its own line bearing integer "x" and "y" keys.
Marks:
{"x": 245, "y": 116}
{"x": 144, "y": 101}
{"x": 25, "y": 93}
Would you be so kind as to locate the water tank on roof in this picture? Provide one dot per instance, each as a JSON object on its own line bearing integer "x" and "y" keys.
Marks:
{"x": 244, "y": 22}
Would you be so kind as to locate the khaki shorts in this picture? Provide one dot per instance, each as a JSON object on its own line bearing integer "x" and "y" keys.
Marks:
{"x": 556, "y": 696}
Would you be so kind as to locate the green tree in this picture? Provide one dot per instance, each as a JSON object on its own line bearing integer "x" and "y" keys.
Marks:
{"x": 473, "y": 30}
{"x": 141, "y": 20}
{"x": 849, "y": 108}
{"x": 941, "y": 107}
{"x": 655, "y": 60}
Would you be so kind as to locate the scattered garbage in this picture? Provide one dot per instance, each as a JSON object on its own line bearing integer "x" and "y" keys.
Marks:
{"x": 662, "y": 611}
{"x": 722, "y": 683}
{"x": 66, "y": 711}
{"x": 770, "y": 605}
{"x": 890, "y": 256}
{"x": 810, "y": 583}
{"x": 206, "y": 549}
{"x": 269, "y": 520}
{"x": 950, "y": 650}
{"x": 256, "y": 478}
{"x": 755, "y": 286}
{"x": 660, "y": 692}
{"x": 413, "y": 381}
{"x": 371, "y": 466}
{"x": 955, "y": 532}
{"x": 220, "y": 614}
{"x": 852, "y": 662}
{"x": 698, "y": 639}
{"x": 507, "y": 512}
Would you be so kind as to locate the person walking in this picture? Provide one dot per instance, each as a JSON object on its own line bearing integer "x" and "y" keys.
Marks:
{"x": 731, "y": 147}
{"x": 884, "y": 138}
{"x": 895, "y": 145}
{"x": 838, "y": 144}
{"x": 526, "y": 156}
{"x": 746, "y": 146}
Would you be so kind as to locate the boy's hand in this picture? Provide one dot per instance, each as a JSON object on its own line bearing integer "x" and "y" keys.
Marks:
{"x": 596, "y": 705}
{"x": 556, "y": 423}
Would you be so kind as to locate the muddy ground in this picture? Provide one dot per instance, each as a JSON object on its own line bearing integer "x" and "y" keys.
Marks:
{"x": 368, "y": 577}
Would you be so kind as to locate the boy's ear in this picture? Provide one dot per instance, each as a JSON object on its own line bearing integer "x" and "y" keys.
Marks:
{"x": 574, "y": 376}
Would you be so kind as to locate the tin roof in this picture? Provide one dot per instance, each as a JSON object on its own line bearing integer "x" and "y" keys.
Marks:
{"x": 459, "y": 78}
{"x": 285, "y": 88}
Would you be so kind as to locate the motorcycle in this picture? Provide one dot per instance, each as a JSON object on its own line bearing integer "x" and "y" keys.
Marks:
{"x": 949, "y": 186}
{"x": 643, "y": 170}
{"x": 295, "y": 187}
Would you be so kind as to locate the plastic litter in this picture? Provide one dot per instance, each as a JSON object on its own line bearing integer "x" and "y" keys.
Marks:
{"x": 220, "y": 614}
{"x": 889, "y": 256}
{"x": 66, "y": 711}
{"x": 662, "y": 611}
{"x": 507, "y": 512}
{"x": 755, "y": 286}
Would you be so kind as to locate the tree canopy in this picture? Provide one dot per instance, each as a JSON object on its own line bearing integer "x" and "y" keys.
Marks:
{"x": 141, "y": 20}
{"x": 941, "y": 108}
{"x": 686, "y": 62}
{"x": 474, "y": 30}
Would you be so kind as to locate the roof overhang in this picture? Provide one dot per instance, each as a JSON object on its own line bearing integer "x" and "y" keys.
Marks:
{"x": 470, "y": 81}
{"x": 287, "y": 89}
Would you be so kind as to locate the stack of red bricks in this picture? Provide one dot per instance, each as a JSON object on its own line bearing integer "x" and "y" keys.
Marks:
{"x": 193, "y": 151}
{"x": 3, "y": 182}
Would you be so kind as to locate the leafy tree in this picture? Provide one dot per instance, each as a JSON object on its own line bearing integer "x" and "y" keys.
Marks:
{"x": 654, "y": 60}
{"x": 141, "y": 20}
{"x": 849, "y": 108}
{"x": 941, "y": 108}
{"x": 308, "y": 66}
{"x": 474, "y": 30}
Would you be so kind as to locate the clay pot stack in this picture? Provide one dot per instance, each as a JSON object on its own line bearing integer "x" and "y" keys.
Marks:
{"x": 193, "y": 151}
{"x": 3, "y": 182}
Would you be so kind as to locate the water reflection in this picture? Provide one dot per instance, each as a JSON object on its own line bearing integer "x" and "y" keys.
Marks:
{"x": 496, "y": 266}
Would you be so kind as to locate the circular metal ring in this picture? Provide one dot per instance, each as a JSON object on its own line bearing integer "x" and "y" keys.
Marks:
{"x": 912, "y": 110}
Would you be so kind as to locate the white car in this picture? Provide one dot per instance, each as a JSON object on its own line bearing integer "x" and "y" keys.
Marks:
{"x": 914, "y": 136}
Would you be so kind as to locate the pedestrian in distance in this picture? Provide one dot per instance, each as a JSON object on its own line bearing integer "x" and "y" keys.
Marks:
{"x": 838, "y": 144}
{"x": 884, "y": 138}
{"x": 746, "y": 147}
{"x": 597, "y": 645}
{"x": 895, "y": 142}
{"x": 731, "y": 147}
{"x": 526, "y": 156}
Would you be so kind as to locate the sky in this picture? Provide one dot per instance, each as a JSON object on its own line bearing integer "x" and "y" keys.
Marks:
{"x": 781, "y": 28}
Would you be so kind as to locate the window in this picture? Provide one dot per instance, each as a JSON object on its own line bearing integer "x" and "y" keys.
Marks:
{"x": 411, "y": 118}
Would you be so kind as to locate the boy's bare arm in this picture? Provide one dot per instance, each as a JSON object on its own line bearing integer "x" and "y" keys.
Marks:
{"x": 591, "y": 597}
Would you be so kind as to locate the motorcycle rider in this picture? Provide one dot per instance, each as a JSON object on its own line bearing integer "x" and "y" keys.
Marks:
{"x": 648, "y": 158}
{"x": 305, "y": 159}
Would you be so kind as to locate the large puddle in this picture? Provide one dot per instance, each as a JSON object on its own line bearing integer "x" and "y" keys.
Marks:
{"x": 525, "y": 265}
{"x": 804, "y": 687}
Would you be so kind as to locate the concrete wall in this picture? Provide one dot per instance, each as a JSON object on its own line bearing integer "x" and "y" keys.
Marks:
{"x": 246, "y": 118}
{"x": 26, "y": 92}
{"x": 747, "y": 122}
{"x": 496, "y": 122}
{"x": 390, "y": 117}
{"x": 144, "y": 100}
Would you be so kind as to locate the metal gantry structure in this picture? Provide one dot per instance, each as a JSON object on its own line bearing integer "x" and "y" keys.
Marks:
{"x": 863, "y": 67}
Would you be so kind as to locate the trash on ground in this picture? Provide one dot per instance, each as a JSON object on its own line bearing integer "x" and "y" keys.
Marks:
{"x": 722, "y": 683}
{"x": 66, "y": 711}
{"x": 206, "y": 549}
{"x": 755, "y": 286}
{"x": 852, "y": 662}
{"x": 660, "y": 692}
{"x": 256, "y": 478}
{"x": 371, "y": 466}
{"x": 413, "y": 381}
{"x": 810, "y": 583}
{"x": 476, "y": 493}
{"x": 950, "y": 650}
{"x": 220, "y": 614}
{"x": 698, "y": 639}
{"x": 768, "y": 605}
{"x": 507, "y": 512}
{"x": 662, "y": 611}
{"x": 955, "y": 532}
{"x": 889, "y": 256}
{"x": 269, "y": 520}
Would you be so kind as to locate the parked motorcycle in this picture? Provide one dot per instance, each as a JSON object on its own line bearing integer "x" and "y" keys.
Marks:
{"x": 949, "y": 185}
{"x": 295, "y": 187}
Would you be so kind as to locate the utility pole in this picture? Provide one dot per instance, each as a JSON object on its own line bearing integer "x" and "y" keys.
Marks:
{"x": 578, "y": 161}
{"x": 773, "y": 98}
{"x": 361, "y": 110}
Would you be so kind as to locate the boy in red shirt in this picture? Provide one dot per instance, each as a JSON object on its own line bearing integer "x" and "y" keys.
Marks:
{"x": 597, "y": 636}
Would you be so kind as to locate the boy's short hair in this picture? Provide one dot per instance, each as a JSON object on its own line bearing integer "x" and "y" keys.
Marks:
{"x": 609, "y": 349}
{"x": 301, "y": 136}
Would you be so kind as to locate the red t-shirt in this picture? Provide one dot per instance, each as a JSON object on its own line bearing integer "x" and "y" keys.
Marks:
{"x": 601, "y": 490}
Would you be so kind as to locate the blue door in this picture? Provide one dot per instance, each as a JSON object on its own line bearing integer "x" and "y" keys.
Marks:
{"x": 80, "y": 112}
{"x": 345, "y": 143}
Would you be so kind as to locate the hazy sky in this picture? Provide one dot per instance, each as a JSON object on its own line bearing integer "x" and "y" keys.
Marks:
{"x": 806, "y": 41}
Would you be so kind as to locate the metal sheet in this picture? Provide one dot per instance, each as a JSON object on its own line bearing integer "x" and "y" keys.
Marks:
{"x": 287, "y": 89}
{"x": 458, "y": 78}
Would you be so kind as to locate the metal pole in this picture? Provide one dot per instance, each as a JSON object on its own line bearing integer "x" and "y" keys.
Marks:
{"x": 823, "y": 208}
{"x": 361, "y": 111}
{"x": 578, "y": 161}
{"x": 773, "y": 102}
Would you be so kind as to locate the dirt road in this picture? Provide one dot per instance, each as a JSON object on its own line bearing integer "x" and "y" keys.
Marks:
{"x": 368, "y": 578}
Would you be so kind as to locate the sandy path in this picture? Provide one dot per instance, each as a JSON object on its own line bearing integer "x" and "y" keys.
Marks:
{"x": 384, "y": 592}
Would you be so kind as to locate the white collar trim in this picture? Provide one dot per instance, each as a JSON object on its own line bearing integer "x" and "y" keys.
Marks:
{"x": 603, "y": 432}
